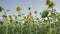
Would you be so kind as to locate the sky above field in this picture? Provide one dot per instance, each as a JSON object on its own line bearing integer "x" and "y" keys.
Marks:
{"x": 37, "y": 5}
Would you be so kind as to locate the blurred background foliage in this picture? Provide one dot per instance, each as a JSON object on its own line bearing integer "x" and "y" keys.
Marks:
{"x": 47, "y": 23}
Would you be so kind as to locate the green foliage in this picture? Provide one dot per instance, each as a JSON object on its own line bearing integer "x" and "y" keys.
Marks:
{"x": 48, "y": 24}
{"x": 1, "y": 22}
{"x": 1, "y": 8}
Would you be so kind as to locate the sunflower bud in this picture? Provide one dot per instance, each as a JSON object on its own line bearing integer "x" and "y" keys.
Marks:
{"x": 48, "y": 2}
{"x": 44, "y": 13}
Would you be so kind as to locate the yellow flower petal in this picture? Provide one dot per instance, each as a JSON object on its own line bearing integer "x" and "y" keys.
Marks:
{"x": 48, "y": 2}
{"x": 25, "y": 17}
{"x": 17, "y": 8}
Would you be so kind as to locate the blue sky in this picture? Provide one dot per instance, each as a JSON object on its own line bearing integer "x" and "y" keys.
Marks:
{"x": 37, "y": 5}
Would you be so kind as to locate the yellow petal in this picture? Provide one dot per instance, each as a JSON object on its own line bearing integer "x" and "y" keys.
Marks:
{"x": 17, "y": 8}
{"x": 25, "y": 17}
{"x": 48, "y": 2}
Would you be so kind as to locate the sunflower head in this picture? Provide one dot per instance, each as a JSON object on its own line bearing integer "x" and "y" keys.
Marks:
{"x": 5, "y": 19}
{"x": 44, "y": 13}
{"x": 18, "y": 8}
{"x": 35, "y": 12}
{"x": 29, "y": 8}
{"x": 51, "y": 4}
{"x": 4, "y": 15}
{"x": 48, "y": 2}
{"x": 30, "y": 14}
{"x": 25, "y": 17}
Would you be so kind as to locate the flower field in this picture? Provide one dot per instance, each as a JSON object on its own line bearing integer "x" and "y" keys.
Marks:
{"x": 47, "y": 23}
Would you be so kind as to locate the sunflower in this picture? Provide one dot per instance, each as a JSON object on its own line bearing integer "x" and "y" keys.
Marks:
{"x": 44, "y": 13}
{"x": 25, "y": 17}
{"x": 29, "y": 8}
{"x": 48, "y": 2}
{"x": 4, "y": 15}
{"x": 5, "y": 19}
{"x": 17, "y": 8}
{"x": 30, "y": 14}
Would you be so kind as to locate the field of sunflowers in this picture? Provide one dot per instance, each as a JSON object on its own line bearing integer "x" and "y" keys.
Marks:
{"x": 47, "y": 23}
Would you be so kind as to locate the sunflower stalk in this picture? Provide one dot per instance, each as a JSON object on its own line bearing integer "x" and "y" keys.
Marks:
{"x": 49, "y": 25}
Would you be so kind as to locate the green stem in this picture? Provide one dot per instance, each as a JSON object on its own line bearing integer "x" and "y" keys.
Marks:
{"x": 4, "y": 10}
{"x": 52, "y": 8}
{"x": 49, "y": 25}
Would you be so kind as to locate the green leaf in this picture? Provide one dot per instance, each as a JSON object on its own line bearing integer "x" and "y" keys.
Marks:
{"x": 53, "y": 15}
{"x": 8, "y": 10}
{"x": 1, "y": 22}
{"x": 1, "y": 8}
